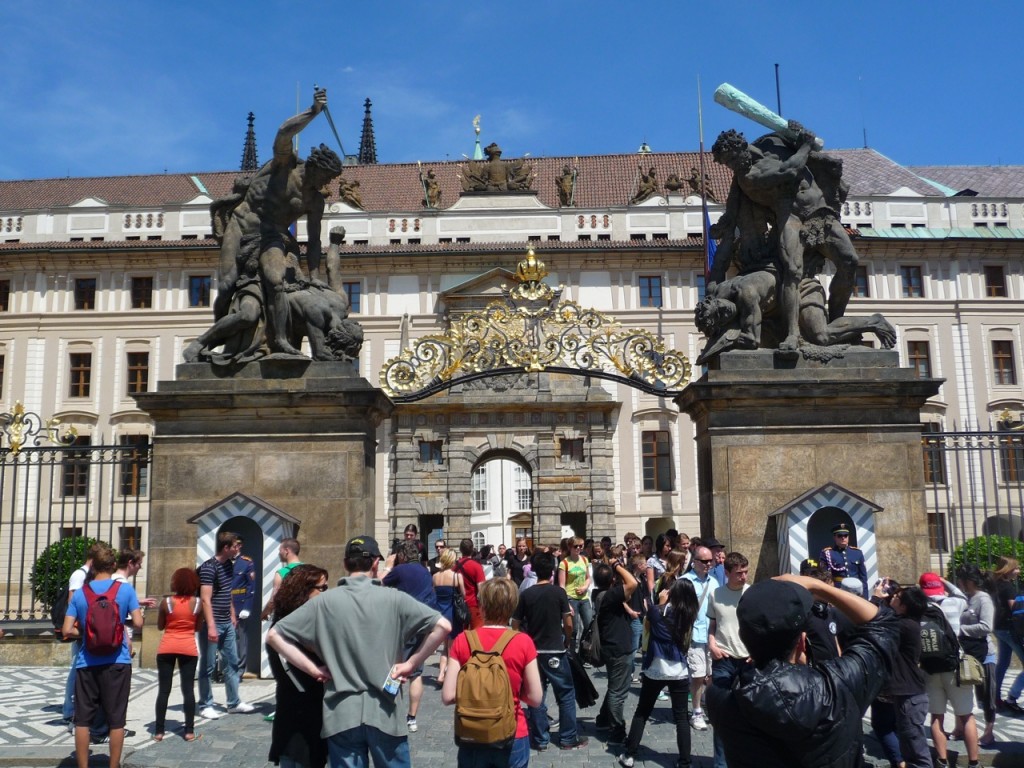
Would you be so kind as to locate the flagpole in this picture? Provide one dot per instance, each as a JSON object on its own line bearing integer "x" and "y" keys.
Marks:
{"x": 703, "y": 195}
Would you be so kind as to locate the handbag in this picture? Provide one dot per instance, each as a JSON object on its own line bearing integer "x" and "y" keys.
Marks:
{"x": 460, "y": 611}
{"x": 969, "y": 672}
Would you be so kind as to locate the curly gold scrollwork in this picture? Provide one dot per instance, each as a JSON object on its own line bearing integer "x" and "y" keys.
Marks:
{"x": 527, "y": 329}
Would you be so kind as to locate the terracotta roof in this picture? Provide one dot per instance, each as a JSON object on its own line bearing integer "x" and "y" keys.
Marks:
{"x": 1000, "y": 181}
{"x": 603, "y": 181}
{"x": 133, "y": 191}
{"x": 93, "y": 245}
{"x": 869, "y": 173}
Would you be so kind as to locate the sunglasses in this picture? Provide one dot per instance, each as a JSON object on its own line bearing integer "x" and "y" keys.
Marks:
{"x": 321, "y": 587}
{"x": 706, "y": 562}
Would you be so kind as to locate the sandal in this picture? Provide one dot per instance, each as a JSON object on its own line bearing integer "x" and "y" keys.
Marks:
{"x": 189, "y": 736}
{"x": 158, "y": 737}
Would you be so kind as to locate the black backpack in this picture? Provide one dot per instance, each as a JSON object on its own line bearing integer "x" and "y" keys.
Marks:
{"x": 590, "y": 641}
{"x": 940, "y": 650}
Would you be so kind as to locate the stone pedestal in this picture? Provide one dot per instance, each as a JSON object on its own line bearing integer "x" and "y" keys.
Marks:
{"x": 771, "y": 430}
{"x": 296, "y": 434}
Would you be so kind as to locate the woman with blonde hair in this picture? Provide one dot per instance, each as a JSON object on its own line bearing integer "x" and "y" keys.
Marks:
{"x": 498, "y": 600}
{"x": 1007, "y": 582}
{"x": 446, "y": 584}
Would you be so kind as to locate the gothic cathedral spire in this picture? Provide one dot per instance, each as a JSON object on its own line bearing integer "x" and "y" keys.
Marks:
{"x": 249, "y": 161}
{"x": 367, "y": 143}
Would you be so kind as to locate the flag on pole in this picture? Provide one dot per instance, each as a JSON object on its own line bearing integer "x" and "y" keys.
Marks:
{"x": 710, "y": 246}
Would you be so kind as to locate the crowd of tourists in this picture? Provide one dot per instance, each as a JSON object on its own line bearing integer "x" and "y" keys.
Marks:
{"x": 782, "y": 671}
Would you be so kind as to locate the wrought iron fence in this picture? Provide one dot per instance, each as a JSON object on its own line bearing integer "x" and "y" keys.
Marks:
{"x": 74, "y": 489}
{"x": 974, "y": 485}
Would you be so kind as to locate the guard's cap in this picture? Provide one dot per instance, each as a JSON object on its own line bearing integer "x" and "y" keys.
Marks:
{"x": 850, "y": 584}
{"x": 841, "y": 528}
{"x": 362, "y": 546}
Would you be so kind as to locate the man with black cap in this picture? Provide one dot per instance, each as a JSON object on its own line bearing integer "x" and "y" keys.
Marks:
{"x": 842, "y": 560}
{"x": 782, "y": 712}
{"x": 359, "y": 630}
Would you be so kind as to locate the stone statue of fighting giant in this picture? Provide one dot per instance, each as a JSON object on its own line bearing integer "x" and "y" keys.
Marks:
{"x": 260, "y": 276}
{"x": 781, "y": 222}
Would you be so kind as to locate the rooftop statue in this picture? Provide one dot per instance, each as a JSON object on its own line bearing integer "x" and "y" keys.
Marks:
{"x": 349, "y": 192}
{"x": 495, "y": 174}
{"x": 431, "y": 189}
{"x": 566, "y": 186}
{"x": 781, "y": 222}
{"x": 256, "y": 311}
{"x": 647, "y": 187}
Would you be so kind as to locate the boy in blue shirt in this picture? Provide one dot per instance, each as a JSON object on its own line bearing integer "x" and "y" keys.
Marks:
{"x": 102, "y": 681}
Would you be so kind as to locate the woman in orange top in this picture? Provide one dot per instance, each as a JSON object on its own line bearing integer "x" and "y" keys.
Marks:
{"x": 179, "y": 616}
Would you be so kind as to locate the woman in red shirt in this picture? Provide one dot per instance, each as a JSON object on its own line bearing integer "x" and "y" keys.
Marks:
{"x": 498, "y": 599}
{"x": 179, "y": 616}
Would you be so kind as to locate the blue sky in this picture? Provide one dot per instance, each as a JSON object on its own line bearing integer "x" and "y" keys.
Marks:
{"x": 111, "y": 88}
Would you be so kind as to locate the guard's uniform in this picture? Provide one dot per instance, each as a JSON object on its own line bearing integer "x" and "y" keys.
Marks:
{"x": 243, "y": 589}
{"x": 841, "y": 563}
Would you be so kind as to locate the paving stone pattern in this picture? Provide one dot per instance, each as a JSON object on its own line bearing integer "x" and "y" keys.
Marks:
{"x": 32, "y": 733}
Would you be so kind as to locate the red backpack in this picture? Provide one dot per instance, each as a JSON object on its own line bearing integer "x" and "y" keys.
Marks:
{"x": 104, "y": 626}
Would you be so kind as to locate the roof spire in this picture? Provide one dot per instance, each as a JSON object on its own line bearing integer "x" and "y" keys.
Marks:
{"x": 249, "y": 161}
{"x": 478, "y": 153}
{"x": 367, "y": 143}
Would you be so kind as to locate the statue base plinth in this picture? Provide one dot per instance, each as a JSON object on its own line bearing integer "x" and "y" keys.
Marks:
{"x": 771, "y": 429}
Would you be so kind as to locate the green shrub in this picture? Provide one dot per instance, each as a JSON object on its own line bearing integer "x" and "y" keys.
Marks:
{"x": 53, "y": 568}
{"x": 984, "y": 552}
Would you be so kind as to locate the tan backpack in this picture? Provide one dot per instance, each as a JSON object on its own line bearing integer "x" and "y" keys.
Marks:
{"x": 485, "y": 710}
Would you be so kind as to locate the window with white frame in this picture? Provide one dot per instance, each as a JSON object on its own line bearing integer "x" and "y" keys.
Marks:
{"x": 479, "y": 489}
{"x": 521, "y": 486}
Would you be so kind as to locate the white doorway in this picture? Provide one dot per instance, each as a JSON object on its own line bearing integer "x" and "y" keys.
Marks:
{"x": 502, "y": 501}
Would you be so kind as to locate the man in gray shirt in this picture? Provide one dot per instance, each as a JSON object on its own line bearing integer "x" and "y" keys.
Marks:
{"x": 360, "y": 630}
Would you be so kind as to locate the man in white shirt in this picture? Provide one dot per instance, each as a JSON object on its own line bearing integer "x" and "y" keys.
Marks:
{"x": 728, "y": 653}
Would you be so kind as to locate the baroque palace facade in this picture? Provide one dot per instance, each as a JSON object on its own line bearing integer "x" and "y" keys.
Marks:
{"x": 104, "y": 281}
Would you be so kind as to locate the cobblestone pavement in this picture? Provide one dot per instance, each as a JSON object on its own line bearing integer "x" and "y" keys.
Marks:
{"x": 32, "y": 734}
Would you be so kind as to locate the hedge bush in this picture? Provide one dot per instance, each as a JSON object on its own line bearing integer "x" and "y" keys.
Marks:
{"x": 984, "y": 552}
{"x": 53, "y": 568}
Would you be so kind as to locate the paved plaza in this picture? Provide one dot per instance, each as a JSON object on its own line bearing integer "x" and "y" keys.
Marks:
{"x": 32, "y": 734}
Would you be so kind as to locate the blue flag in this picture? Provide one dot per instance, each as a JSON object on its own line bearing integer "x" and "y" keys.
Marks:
{"x": 710, "y": 246}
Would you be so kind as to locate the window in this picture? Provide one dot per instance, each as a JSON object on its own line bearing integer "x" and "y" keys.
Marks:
{"x": 934, "y": 454}
{"x": 572, "y": 449}
{"x": 461, "y": 239}
{"x": 995, "y": 282}
{"x": 5, "y": 295}
{"x": 937, "y": 537}
{"x": 67, "y": 531}
{"x": 637, "y": 236}
{"x": 919, "y": 358}
{"x": 584, "y": 237}
{"x": 1004, "y": 370}
{"x": 138, "y": 372}
{"x": 75, "y": 468}
{"x": 521, "y": 488}
{"x": 604, "y": 237}
{"x": 701, "y": 288}
{"x": 130, "y": 537}
{"x": 860, "y": 283}
{"x": 910, "y": 277}
{"x": 657, "y": 461}
{"x": 134, "y": 465}
{"x": 430, "y": 452}
{"x": 355, "y": 292}
{"x": 81, "y": 374}
{"x": 650, "y": 291}
{"x": 1011, "y": 454}
{"x": 142, "y": 293}
{"x": 199, "y": 290}
{"x": 85, "y": 293}
{"x": 479, "y": 490}
{"x": 479, "y": 539}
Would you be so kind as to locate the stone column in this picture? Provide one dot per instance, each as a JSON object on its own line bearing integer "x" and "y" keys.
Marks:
{"x": 770, "y": 429}
{"x": 298, "y": 434}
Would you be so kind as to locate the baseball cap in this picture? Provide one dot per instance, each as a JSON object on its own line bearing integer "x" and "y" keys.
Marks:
{"x": 931, "y": 584}
{"x": 772, "y": 610}
{"x": 362, "y": 546}
{"x": 850, "y": 584}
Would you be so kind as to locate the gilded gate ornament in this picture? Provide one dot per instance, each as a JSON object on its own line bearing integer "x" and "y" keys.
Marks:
{"x": 530, "y": 330}
{"x": 19, "y": 426}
